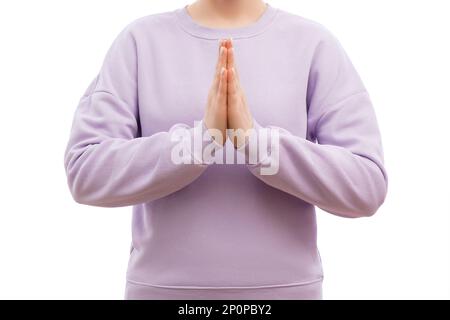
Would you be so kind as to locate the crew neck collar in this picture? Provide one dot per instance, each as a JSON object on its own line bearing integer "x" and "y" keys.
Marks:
{"x": 192, "y": 27}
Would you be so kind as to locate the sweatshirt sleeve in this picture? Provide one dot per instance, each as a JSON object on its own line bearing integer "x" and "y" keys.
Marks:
{"x": 339, "y": 166}
{"x": 107, "y": 162}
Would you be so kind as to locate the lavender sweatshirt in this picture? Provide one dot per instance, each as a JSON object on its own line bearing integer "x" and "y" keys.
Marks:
{"x": 210, "y": 230}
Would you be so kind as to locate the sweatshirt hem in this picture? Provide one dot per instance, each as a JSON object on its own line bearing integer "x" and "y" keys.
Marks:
{"x": 283, "y": 285}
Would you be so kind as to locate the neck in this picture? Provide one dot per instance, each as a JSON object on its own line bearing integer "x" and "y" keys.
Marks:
{"x": 226, "y": 13}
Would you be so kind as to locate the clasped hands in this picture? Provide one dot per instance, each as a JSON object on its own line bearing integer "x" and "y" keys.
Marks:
{"x": 226, "y": 105}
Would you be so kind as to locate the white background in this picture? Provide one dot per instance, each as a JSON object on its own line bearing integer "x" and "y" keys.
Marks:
{"x": 51, "y": 247}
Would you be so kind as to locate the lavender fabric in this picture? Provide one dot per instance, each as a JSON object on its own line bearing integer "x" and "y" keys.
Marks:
{"x": 201, "y": 229}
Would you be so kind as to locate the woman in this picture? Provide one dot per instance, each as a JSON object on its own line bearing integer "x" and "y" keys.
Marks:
{"x": 203, "y": 229}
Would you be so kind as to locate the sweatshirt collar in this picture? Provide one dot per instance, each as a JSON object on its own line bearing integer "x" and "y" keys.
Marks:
{"x": 192, "y": 27}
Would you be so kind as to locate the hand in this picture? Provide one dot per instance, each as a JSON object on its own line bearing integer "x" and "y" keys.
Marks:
{"x": 215, "y": 118}
{"x": 238, "y": 113}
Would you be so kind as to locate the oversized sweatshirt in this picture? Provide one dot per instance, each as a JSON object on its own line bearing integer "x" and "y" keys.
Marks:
{"x": 204, "y": 229}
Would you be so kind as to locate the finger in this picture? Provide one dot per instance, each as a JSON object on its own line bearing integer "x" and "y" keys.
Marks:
{"x": 221, "y": 63}
{"x": 222, "y": 44}
{"x": 231, "y": 63}
{"x": 232, "y": 87}
{"x": 228, "y": 43}
{"x": 222, "y": 88}
{"x": 230, "y": 58}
